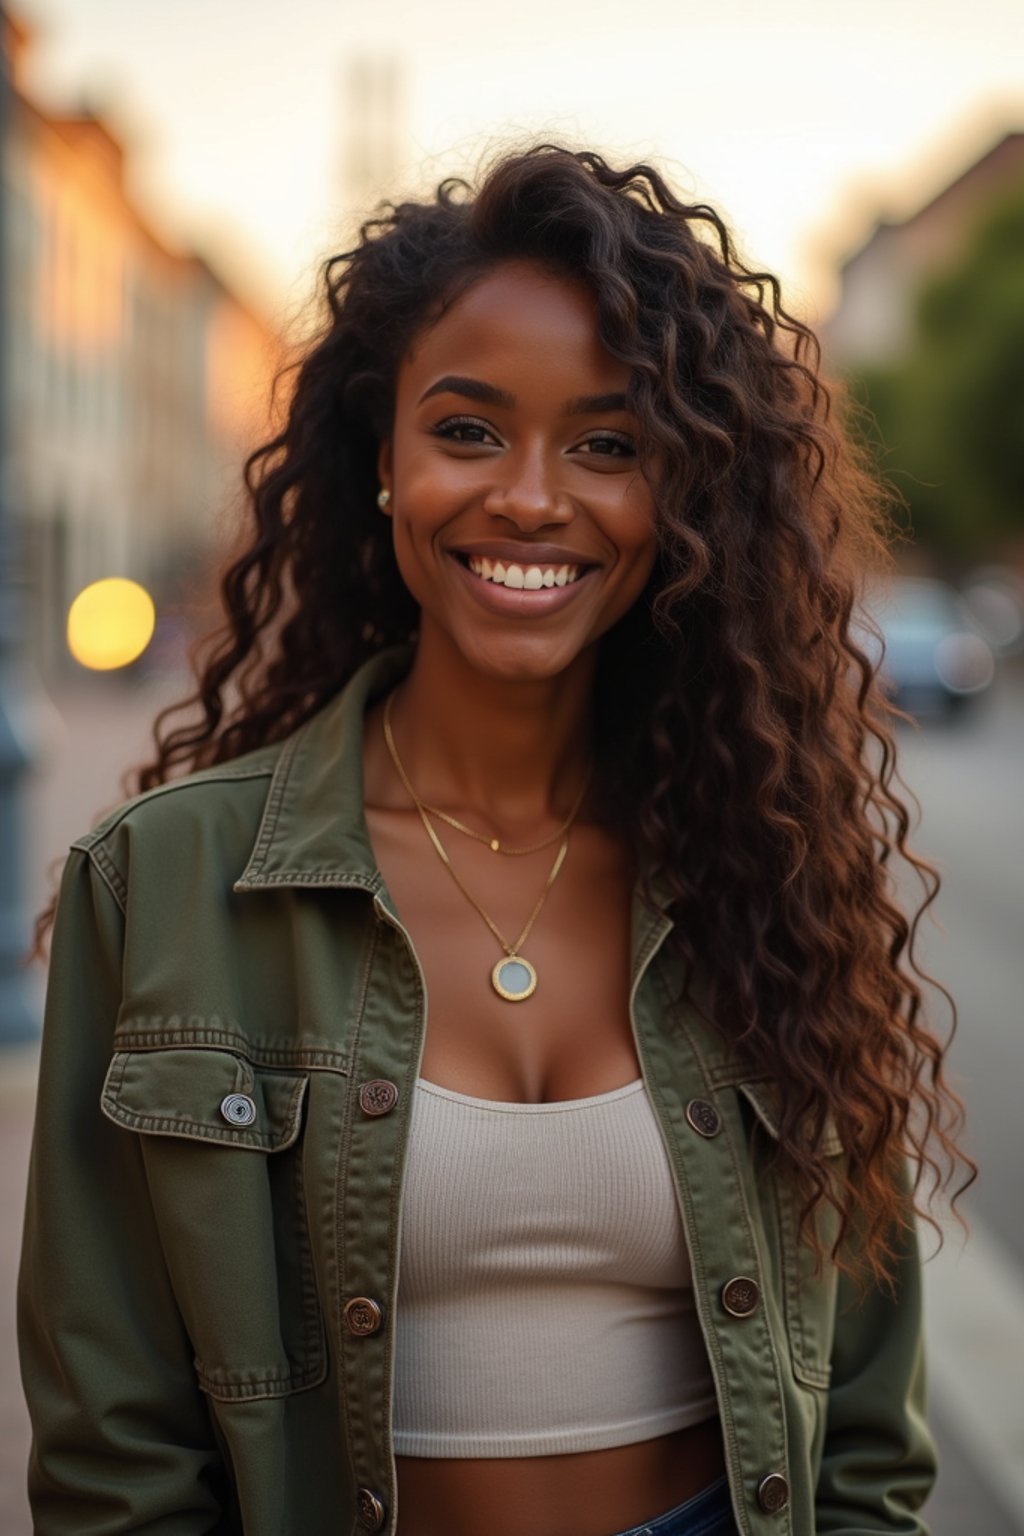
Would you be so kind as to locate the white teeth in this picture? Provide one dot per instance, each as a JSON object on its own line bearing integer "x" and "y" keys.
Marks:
{"x": 530, "y": 578}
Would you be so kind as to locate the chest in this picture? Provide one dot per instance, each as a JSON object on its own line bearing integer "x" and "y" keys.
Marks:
{"x": 572, "y": 1037}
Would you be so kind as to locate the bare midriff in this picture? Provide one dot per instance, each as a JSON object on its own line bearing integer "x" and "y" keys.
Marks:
{"x": 592, "y": 1493}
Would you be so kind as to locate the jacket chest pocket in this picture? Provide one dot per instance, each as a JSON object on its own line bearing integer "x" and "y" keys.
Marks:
{"x": 809, "y": 1292}
{"x": 222, "y": 1144}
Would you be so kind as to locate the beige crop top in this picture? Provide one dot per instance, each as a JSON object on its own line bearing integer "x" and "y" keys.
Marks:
{"x": 545, "y": 1303}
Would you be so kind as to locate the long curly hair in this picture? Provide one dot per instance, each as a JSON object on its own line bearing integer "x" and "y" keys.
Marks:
{"x": 746, "y": 755}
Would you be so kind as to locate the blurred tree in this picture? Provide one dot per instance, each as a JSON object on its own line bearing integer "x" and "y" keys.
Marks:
{"x": 948, "y": 423}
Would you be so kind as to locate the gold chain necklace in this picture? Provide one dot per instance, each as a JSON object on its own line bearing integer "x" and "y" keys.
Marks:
{"x": 513, "y": 978}
{"x": 493, "y": 843}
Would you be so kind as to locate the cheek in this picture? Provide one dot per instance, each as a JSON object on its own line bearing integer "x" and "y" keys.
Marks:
{"x": 414, "y": 527}
{"x": 430, "y": 491}
{"x": 407, "y": 555}
{"x": 636, "y": 524}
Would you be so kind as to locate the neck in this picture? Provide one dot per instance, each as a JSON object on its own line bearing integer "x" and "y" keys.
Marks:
{"x": 515, "y": 752}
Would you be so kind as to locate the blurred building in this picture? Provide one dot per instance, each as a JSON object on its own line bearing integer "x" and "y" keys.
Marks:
{"x": 137, "y": 379}
{"x": 879, "y": 283}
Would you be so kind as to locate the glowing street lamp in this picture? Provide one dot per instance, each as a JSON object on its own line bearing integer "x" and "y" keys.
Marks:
{"x": 110, "y": 623}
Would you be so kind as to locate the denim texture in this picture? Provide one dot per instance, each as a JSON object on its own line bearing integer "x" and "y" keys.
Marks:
{"x": 708, "y": 1513}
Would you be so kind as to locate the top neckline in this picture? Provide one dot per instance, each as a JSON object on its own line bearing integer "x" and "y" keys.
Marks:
{"x": 512, "y": 1106}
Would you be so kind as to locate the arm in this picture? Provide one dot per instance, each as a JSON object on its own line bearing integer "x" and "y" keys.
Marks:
{"x": 879, "y": 1460}
{"x": 122, "y": 1440}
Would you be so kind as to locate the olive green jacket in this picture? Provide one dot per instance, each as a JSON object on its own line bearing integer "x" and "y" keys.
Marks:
{"x": 234, "y": 1029}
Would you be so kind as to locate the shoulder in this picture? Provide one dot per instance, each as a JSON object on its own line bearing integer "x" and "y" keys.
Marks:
{"x": 212, "y": 815}
{"x": 205, "y": 794}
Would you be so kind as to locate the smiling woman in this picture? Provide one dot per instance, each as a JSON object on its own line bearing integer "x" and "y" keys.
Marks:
{"x": 492, "y": 1081}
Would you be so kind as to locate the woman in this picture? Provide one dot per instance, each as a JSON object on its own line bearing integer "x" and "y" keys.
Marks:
{"x": 536, "y": 699}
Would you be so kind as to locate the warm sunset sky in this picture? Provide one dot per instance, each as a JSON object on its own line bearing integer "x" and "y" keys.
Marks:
{"x": 800, "y": 119}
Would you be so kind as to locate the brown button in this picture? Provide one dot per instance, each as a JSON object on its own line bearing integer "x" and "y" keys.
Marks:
{"x": 362, "y": 1315}
{"x": 773, "y": 1493}
{"x": 371, "y": 1510}
{"x": 704, "y": 1117}
{"x": 740, "y": 1296}
{"x": 378, "y": 1096}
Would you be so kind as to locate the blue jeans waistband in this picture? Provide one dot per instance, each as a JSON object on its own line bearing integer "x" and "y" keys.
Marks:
{"x": 708, "y": 1513}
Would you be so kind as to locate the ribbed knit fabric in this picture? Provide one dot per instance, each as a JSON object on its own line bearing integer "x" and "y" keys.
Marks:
{"x": 545, "y": 1302}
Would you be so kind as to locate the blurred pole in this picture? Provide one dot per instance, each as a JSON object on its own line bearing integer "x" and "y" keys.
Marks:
{"x": 17, "y": 1018}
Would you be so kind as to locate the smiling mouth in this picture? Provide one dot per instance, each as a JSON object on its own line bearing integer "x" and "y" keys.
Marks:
{"x": 528, "y": 578}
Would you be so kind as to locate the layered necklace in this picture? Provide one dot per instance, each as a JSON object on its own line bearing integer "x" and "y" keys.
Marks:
{"x": 513, "y": 977}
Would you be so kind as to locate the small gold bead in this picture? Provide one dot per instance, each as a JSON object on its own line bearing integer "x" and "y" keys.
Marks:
{"x": 495, "y": 845}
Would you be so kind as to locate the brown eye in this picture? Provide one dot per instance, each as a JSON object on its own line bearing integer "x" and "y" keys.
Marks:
{"x": 606, "y": 445}
{"x": 463, "y": 429}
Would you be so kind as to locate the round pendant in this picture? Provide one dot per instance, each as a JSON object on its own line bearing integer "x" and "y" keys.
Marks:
{"x": 514, "y": 978}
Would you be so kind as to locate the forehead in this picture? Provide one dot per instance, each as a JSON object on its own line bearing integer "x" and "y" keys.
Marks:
{"x": 518, "y": 316}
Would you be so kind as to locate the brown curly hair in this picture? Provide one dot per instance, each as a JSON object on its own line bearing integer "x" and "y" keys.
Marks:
{"x": 745, "y": 750}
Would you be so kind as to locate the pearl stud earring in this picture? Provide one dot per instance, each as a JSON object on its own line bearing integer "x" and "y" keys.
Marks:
{"x": 383, "y": 497}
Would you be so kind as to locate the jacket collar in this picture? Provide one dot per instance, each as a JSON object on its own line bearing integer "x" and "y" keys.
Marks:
{"x": 313, "y": 830}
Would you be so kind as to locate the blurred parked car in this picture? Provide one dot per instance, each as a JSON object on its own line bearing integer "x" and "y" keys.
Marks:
{"x": 935, "y": 659}
{"x": 995, "y": 596}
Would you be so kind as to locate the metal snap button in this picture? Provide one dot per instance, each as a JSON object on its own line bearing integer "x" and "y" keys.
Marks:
{"x": 703, "y": 1117}
{"x": 773, "y": 1493}
{"x": 371, "y": 1510}
{"x": 740, "y": 1296}
{"x": 378, "y": 1096}
{"x": 238, "y": 1109}
{"x": 362, "y": 1316}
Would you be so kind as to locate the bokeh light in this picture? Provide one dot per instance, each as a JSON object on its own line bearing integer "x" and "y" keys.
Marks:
{"x": 110, "y": 623}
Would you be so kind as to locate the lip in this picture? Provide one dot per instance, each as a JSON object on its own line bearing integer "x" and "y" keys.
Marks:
{"x": 517, "y": 600}
{"x": 523, "y": 554}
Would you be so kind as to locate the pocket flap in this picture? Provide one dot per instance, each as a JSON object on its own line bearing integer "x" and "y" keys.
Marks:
{"x": 763, "y": 1097}
{"x": 170, "y": 1092}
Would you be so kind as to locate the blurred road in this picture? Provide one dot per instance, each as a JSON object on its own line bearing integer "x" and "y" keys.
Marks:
{"x": 970, "y": 786}
{"x": 969, "y": 782}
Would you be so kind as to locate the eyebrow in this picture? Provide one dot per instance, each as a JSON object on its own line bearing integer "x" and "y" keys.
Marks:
{"x": 595, "y": 405}
{"x": 490, "y": 394}
{"x": 472, "y": 389}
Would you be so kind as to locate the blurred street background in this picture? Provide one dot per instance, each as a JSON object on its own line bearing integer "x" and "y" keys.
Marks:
{"x": 170, "y": 180}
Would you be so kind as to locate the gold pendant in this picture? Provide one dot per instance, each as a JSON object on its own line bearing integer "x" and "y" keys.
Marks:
{"x": 514, "y": 979}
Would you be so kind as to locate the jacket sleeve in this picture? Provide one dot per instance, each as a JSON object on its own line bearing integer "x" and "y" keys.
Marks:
{"x": 122, "y": 1439}
{"x": 879, "y": 1461}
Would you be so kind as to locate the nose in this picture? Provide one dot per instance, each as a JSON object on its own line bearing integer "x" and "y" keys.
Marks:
{"x": 526, "y": 492}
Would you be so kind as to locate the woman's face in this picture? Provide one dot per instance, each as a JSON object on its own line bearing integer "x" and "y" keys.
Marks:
{"x": 523, "y": 526}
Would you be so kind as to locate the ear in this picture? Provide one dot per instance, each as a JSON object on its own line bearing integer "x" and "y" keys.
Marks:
{"x": 384, "y": 471}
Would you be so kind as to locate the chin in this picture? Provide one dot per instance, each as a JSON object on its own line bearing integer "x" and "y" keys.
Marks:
{"x": 522, "y": 659}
